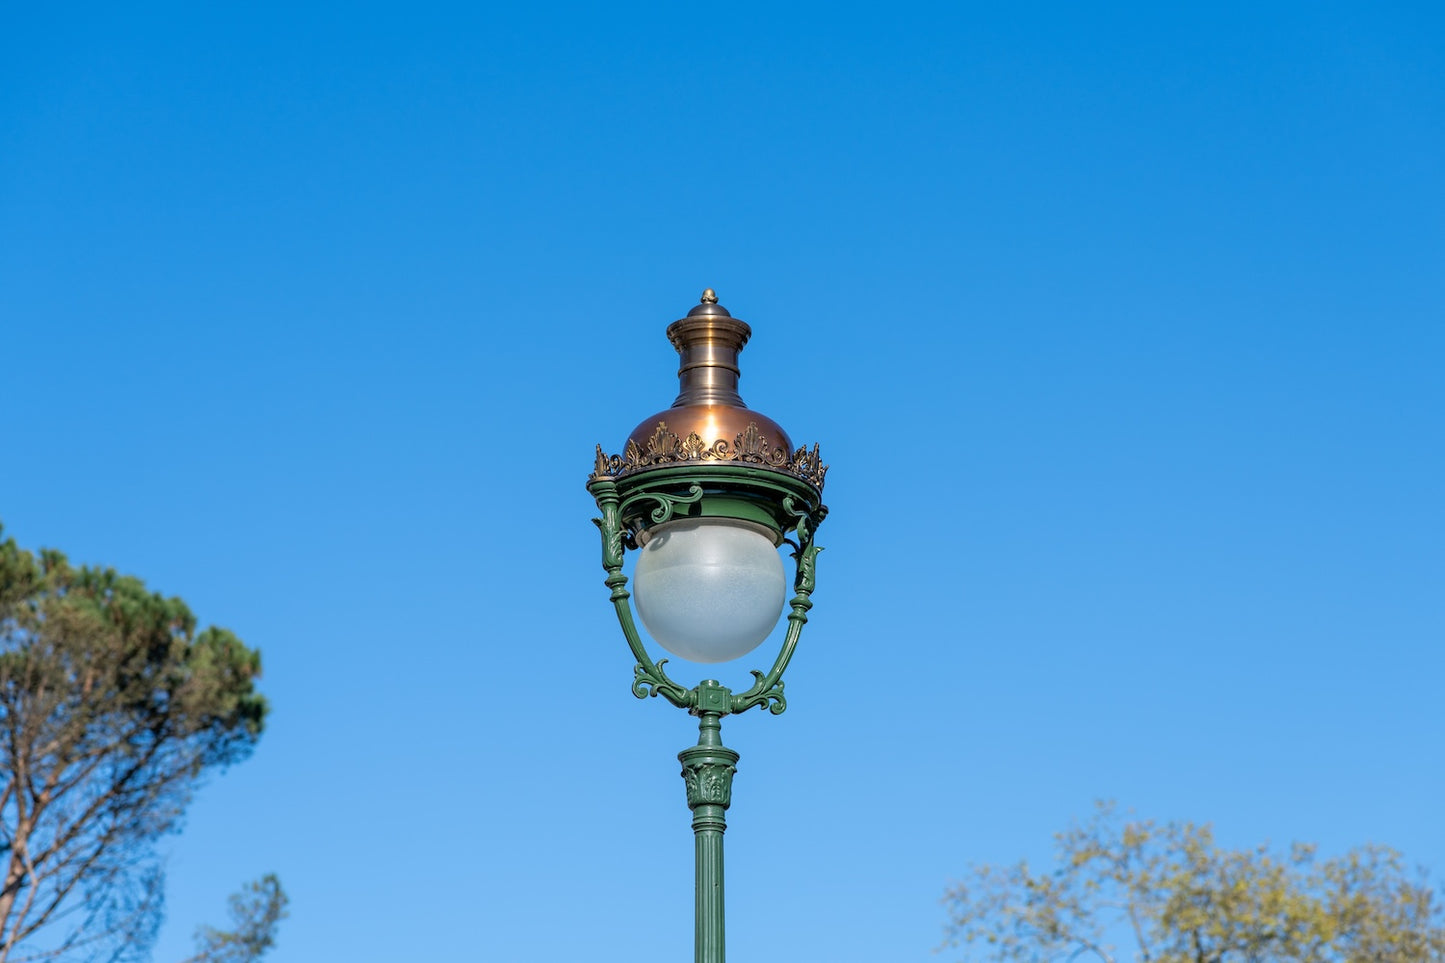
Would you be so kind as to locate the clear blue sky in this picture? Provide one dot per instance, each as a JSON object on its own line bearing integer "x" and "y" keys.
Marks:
{"x": 1121, "y": 330}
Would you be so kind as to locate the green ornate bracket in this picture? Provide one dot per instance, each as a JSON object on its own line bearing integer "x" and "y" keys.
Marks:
{"x": 631, "y": 504}
{"x": 767, "y": 690}
{"x": 648, "y": 679}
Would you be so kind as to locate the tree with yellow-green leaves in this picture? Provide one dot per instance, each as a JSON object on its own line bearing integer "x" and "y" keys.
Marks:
{"x": 1132, "y": 891}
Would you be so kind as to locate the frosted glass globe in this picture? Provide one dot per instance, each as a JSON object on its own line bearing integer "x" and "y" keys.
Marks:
{"x": 709, "y": 589}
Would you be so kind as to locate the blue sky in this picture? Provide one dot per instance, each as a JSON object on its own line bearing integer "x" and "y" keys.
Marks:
{"x": 1120, "y": 328}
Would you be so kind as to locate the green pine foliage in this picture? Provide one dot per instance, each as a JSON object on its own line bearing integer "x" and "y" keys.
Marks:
{"x": 255, "y": 914}
{"x": 113, "y": 708}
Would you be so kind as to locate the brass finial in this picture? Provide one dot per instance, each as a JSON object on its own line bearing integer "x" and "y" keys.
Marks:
{"x": 709, "y": 296}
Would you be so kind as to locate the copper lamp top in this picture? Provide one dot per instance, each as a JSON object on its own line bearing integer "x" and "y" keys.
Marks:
{"x": 708, "y": 342}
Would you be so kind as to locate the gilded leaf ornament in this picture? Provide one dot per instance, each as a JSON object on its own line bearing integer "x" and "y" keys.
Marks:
{"x": 750, "y": 447}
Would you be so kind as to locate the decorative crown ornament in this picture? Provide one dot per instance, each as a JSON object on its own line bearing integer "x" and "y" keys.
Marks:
{"x": 750, "y": 447}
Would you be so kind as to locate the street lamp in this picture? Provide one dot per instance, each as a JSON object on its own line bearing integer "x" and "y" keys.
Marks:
{"x": 706, "y": 493}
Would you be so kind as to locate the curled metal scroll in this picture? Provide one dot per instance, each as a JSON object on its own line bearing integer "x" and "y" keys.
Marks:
{"x": 767, "y": 690}
{"x": 666, "y": 504}
{"x": 648, "y": 677}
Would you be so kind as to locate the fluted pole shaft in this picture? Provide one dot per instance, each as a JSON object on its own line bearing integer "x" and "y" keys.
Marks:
{"x": 707, "y": 769}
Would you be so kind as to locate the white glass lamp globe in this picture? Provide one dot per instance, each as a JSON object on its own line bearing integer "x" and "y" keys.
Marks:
{"x": 709, "y": 589}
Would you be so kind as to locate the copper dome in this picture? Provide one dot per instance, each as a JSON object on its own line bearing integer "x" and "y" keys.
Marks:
{"x": 708, "y": 342}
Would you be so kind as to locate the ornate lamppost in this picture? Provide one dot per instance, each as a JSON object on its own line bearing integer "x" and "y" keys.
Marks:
{"x": 706, "y": 493}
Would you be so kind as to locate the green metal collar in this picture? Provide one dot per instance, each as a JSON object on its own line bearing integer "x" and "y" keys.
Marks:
{"x": 769, "y": 498}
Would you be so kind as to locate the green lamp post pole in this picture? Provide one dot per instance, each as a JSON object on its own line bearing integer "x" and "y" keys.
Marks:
{"x": 705, "y": 493}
